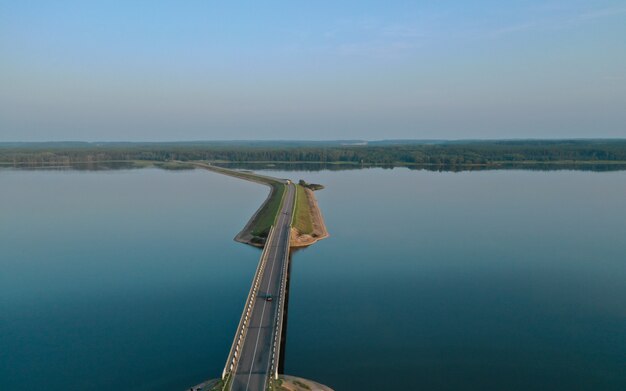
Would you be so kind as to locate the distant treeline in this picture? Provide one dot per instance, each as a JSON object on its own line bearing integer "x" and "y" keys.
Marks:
{"x": 380, "y": 153}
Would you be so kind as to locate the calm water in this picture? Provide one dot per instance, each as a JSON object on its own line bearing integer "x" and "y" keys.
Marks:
{"x": 499, "y": 280}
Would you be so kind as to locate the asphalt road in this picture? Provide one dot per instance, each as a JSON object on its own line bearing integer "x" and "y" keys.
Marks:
{"x": 252, "y": 371}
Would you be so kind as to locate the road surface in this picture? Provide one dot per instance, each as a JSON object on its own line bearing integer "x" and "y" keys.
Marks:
{"x": 252, "y": 370}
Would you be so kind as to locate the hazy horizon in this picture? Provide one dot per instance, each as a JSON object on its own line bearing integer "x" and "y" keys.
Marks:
{"x": 169, "y": 71}
{"x": 304, "y": 141}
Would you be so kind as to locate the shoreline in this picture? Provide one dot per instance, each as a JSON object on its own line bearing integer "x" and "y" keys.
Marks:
{"x": 245, "y": 235}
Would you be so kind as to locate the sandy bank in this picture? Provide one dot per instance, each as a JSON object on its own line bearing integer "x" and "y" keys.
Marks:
{"x": 319, "y": 232}
{"x": 284, "y": 383}
{"x": 292, "y": 383}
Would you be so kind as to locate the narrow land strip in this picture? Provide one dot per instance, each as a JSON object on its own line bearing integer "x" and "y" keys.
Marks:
{"x": 256, "y": 230}
{"x": 308, "y": 225}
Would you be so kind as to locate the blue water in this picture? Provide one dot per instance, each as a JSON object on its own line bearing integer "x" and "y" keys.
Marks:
{"x": 493, "y": 280}
{"x": 120, "y": 280}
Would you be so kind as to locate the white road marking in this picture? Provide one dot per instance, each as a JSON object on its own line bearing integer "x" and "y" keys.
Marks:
{"x": 281, "y": 221}
{"x": 256, "y": 345}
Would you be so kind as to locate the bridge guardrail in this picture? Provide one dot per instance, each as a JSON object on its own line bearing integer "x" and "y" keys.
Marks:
{"x": 282, "y": 296}
{"x": 281, "y": 311}
{"x": 233, "y": 356}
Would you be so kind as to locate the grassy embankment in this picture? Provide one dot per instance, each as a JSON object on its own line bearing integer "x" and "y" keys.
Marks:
{"x": 303, "y": 217}
{"x": 258, "y": 227}
{"x": 266, "y": 215}
{"x": 308, "y": 224}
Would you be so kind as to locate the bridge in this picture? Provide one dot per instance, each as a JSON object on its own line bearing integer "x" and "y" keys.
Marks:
{"x": 255, "y": 353}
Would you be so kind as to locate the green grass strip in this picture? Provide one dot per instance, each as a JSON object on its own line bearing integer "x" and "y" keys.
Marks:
{"x": 266, "y": 217}
{"x": 302, "y": 220}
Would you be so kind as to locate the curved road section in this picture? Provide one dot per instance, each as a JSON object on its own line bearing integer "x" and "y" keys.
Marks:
{"x": 257, "y": 355}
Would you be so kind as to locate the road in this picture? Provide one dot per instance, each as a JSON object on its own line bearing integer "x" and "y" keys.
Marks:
{"x": 252, "y": 370}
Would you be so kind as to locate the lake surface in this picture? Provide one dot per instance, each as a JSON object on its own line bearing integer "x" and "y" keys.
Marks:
{"x": 490, "y": 280}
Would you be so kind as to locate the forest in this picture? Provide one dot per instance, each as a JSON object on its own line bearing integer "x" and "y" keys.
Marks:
{"x": 401, "y": 152}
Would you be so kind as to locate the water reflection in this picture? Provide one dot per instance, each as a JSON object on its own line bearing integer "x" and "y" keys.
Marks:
{"x": 473, "y": 280}
{"x": 311, "y": 167}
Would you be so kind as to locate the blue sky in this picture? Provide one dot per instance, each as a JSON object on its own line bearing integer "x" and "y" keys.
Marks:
{"x": 204, "y": 70}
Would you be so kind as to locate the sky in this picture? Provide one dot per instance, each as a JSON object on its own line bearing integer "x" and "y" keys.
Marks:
{"x": 351, "y": 69}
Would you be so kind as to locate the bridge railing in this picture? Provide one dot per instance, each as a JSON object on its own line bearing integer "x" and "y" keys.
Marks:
{"x": 278, "y": 330}
{"x": 235, "y": 350}
{"x": 278, "y": 333}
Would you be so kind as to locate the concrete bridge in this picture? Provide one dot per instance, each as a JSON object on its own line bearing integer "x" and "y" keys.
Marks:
{"x": 255, "y": 354}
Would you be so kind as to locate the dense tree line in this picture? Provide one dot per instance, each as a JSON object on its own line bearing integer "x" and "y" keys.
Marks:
{"x": 443, "y": 153}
